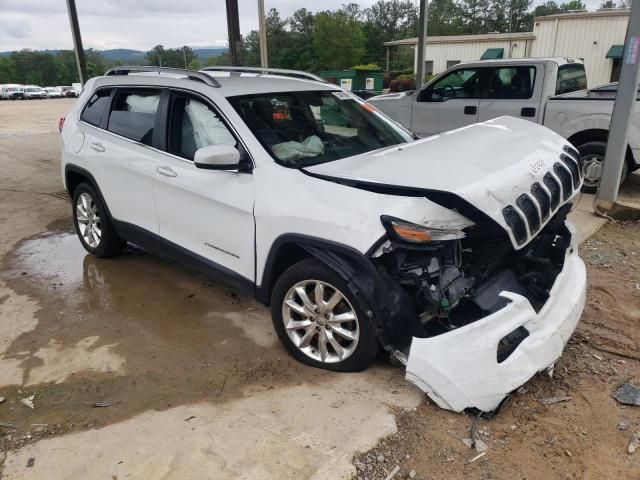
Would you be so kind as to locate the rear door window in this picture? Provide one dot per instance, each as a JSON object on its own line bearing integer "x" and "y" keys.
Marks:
{"x": 571, "y": 77}
{"x": 133, "y": 114}
{"x": 512, "y": 82}
{"x": 96, "y": 107}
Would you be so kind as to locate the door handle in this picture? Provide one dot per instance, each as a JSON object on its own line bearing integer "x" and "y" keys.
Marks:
{"x": 470, "y": 110}
{"x": 528, "y": 112}
{"x": 97, "y": 146}
{"x": 166, "y": 171}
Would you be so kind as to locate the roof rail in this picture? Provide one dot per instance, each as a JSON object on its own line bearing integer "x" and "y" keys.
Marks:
{"x": 267, "y": 71}
{"x": 197, "y": 76}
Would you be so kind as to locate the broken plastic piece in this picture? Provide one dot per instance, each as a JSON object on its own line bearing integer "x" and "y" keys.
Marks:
{"x": 459, "y": 369}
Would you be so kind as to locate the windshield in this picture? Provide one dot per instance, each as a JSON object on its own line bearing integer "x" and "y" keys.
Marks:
{"x": 307, "y": 128}
{"x": 34, "y": 89}
{"x": 13, "y": 89}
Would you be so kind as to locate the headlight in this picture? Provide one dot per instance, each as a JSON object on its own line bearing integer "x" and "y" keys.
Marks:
{"x": 411, "y": 232}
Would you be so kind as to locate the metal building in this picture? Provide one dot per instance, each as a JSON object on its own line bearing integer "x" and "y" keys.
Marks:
{"x": 596, "y": 37}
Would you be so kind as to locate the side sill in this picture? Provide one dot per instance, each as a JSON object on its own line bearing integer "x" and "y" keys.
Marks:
{"x": 165, "y": 248}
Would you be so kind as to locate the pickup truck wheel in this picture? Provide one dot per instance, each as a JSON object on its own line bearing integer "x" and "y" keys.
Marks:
{"x": 94, "y": 229}
{"x": 319, "y": 321}
{"x": 592, "y": 155}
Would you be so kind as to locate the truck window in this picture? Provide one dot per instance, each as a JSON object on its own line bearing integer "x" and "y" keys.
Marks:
{"x": 461, "y": 83}
{"x": 512, "y": 82}
{"x": 571, "y": 77}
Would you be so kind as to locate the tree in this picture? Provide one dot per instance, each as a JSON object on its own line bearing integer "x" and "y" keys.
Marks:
{"x": 156, "y": 56}
{"x": 444, "y": 18}
{"x": 338, "y": 42}
{"x": 608, "y": 4}
{"x": 475, "y": 15}
{"x": 573, "y": 5}
{"x": 547, "y": 8}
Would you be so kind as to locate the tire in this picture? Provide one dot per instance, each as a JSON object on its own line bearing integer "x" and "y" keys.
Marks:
{"x": 90, "y": 215}
{"x": 350, "y": 345}
{"x": 592, "y": 158}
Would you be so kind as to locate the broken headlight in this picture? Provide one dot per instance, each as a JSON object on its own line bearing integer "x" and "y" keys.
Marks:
{"x": 414, "y": 233}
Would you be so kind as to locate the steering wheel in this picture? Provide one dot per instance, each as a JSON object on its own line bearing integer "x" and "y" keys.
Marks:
{"x": 448, "y": 88}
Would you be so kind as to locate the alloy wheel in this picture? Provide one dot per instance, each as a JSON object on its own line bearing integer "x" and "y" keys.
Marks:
{"x": 320, "y": 321}
{"x": 89, "y": 223}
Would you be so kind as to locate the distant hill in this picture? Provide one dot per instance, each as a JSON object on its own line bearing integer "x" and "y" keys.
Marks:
{"x": 127, "y": 55}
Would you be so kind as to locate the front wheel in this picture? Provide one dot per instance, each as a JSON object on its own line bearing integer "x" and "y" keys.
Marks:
{"x": 318, "y": 319}
{"x": 592, "y": 158}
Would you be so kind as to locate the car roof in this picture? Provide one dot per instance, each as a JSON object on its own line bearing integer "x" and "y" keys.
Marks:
{"x": 230, "y": 84}
{"x": 517, "y": 61}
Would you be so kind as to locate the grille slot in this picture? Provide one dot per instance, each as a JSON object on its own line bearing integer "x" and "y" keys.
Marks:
{"x": 530, "y": 212}
{"x": 543, "y": 199}
{"x": 565, "y": 178}
{"x": 554, "y": 187}
{"x": 573, "y": 166}
{"x": 516, "y": 224}
{"x": 573, "y": 152}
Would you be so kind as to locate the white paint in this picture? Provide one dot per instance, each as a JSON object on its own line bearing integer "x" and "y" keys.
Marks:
{"x": 306, "y": 431}
{"x": 459, "y": 369}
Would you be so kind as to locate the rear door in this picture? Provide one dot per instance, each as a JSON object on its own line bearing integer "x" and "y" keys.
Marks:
{"x": 449, "y": 102}
{"x": 514, "y": 90}
{"x": 207, "y": 212}
{"x": 120, "y": 129}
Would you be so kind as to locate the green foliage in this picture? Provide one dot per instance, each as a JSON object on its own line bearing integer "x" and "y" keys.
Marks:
{"x": 338, "y": 40}
{"x": 173, "y": 57}
{"x": 368, "y": 66}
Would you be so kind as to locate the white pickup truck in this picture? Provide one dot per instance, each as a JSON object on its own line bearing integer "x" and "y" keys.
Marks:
{"x": 549, "y": 91}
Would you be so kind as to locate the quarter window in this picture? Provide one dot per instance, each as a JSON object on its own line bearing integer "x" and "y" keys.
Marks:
{"x": 512, "y": 83}
{"x": 134, "y": 114}
{"x": 95, "y": 107}
{"x": 571, "y": 77}
{"x": 193, "y": 125}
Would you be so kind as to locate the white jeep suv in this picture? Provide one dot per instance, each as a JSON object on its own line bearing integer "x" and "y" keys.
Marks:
{"x": 451, "y": 253}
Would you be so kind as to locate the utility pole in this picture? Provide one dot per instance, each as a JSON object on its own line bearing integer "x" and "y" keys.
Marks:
{"x": 626, "y": 95}
{"x": 184, "y": 56}
{"x": 77, "y": 41}
{"x": 233, "y": 28}
{"x": 262, "y": 31}
{"x": 422, "y": 38}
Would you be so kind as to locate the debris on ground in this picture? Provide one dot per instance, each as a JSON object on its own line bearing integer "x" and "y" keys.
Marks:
{"x": 477, "y": 457}
{"x": 634, "y": 443}
{"x": 1, "y": 399}
{"x": 8, "y": 425}
{"x": 28, "y": 401}
{"x": 393, "y": 472}
{"x": 106, "y": 404}
{"x": 31, "y": 462}
{"x": 628, "y": 394}
{"x": 553, "y": 400}
{"x": 623, "y": 424}
{"x": 476, "y": 444}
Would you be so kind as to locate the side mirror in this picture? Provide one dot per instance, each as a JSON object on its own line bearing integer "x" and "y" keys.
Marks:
{"x": 425, "y": 95}
{"x": 218, "y": 157}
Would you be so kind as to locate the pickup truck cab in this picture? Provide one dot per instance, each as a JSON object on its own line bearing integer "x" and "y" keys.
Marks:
{"x": 548, "y": 91}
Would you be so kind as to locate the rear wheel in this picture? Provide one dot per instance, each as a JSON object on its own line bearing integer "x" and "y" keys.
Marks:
{"x": 318, "y": 319}
{"x": 94, "y": 229}
{"x": 592, "y": 157}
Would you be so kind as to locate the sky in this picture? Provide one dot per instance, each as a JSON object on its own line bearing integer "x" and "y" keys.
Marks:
{"x": 139, "y": 24}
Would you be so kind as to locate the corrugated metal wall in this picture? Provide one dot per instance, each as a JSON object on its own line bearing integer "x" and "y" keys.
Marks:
{"x": 582, "y": 37}
{"x": 441, "y": 53}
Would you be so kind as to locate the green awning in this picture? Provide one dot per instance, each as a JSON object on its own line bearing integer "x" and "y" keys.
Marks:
{"x": 615, "y": 51}
{"x": 492, "y": 53}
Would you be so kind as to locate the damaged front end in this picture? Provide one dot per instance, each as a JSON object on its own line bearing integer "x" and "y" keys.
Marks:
{"x": 480, "y": 317}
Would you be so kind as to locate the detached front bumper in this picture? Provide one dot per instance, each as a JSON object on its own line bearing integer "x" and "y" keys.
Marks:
{"x": 459, "y": 369}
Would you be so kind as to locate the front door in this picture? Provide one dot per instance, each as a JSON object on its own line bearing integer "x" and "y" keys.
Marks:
{"x": 207, "y": 212}
{"x": 449, "y": 102}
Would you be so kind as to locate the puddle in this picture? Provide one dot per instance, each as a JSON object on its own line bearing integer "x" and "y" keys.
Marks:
{"x": 136, "y": 327}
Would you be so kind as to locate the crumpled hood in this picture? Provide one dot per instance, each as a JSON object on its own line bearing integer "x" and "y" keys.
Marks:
{"x": 488, "y": 164}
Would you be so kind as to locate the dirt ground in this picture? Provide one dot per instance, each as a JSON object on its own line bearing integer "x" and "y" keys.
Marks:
{"x": 140, "y": 368}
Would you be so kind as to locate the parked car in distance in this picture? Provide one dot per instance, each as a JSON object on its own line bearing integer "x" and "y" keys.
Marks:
{"x": 451, "y": 253}
{"x": 548, "y": 91}
{"x": 33, "y": 92}
{"x": 68, "y": 92}
{"x": 11, "y": 92}
{"x": 53, "y": 92}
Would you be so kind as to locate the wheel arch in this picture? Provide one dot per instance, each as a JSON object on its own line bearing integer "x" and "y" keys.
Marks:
{"x": 598, "y": 135}
{"x": 75, "y": 175}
